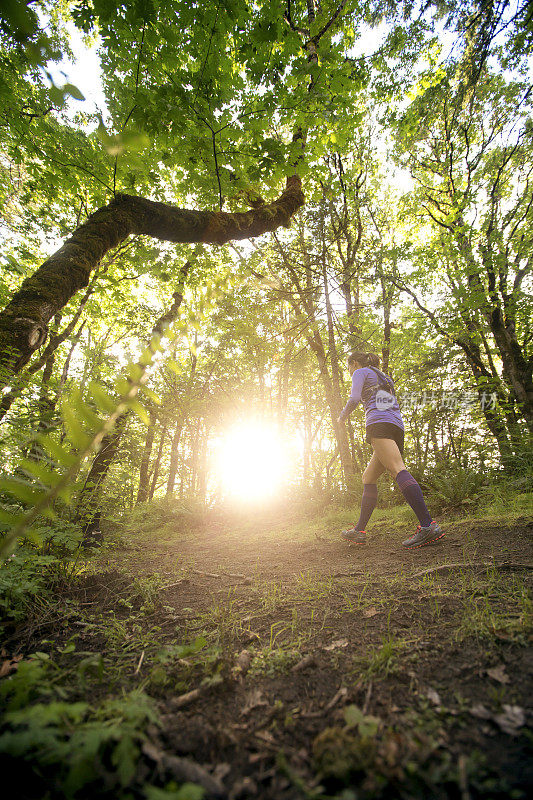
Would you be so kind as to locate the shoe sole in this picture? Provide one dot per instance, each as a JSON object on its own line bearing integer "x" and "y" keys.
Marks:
{"x": 417, "y": 546}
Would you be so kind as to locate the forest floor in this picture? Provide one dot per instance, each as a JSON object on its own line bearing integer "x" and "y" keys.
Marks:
{"x": 287, "y": 664}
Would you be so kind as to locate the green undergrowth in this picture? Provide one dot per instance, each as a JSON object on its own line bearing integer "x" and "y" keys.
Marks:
{"x": 62, "y": 745}
{"x": 92, "y": 647}
{"x": 407, "y": 759}
{"x": 167, "y": 523}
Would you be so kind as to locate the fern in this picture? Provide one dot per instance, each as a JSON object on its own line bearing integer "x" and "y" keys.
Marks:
{"x": 85, "y": 429}
{"x": 453, "y": 487}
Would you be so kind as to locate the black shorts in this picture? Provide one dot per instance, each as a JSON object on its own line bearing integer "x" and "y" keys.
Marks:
{"x": 386, "y": 430}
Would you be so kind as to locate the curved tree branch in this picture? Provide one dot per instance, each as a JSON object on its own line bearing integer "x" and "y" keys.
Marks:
{"x": 24, "y": 322}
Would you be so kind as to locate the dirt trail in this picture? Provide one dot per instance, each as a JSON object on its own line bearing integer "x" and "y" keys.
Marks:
{"x": 307, "y": 626}
{"x": 279, "y": 552}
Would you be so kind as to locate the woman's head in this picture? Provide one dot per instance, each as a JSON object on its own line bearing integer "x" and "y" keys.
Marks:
{"x": 359, "y": 359}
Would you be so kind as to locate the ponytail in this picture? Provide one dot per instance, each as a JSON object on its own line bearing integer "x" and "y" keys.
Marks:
{"x": 365, "y": 359}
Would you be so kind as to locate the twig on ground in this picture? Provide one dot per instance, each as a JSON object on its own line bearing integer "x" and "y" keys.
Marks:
{"x": 236, "y": 575}
{"x": 206, "y": 574}
{"x": 185, "y": 770}
{"x": 343, "y": 691}
{"x": 186, "y": 699}
{"x": 139, "y": 665}
{"x": 306, "y": 661}
{"x": 474, "y": 565}
{"x": 367, "y": 699}
{"x": 171, "y": 585}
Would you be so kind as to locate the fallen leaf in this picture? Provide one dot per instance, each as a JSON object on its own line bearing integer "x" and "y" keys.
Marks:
{"x": 498, "y": 674}
{"x": 337, "y": 644}
{"x": 433, "y": 696}
{"x": 253, "y": 700}
{"x": 244, "y": 659}
{"x": 480, "y": 711}
{"x": 370, "y": 612}
{"x": 265, "y": 736}
{"x": 511, "y": 719}
{"x": 221, "y": 770}
{"x": 9, "y": 666}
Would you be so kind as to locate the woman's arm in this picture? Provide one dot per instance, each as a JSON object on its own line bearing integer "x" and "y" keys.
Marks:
{"x": 358, "y": 379}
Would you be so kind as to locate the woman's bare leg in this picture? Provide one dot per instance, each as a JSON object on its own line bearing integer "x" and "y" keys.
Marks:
{"x": 387, "y": 453}
{"x": 374, "y": 469}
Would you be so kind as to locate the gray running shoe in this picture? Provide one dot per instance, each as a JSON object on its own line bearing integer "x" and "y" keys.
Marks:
{"x": 424, "y": 536}
{"x": 353, "y": 535}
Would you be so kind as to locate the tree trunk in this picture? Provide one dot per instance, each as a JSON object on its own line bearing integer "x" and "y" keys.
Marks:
{"x": 46, "y": 407}
{"x": 157, "y": 464}
{"x": 194, "y": 460}
{"x": 142, "y": 494}
{"x": 24, "y": 322}
{"x": 54, "y": 342}
{"x": 173, "y": 466}
{"x": 87, "y": 501}
{"x": 202, "y": 469}
{"x": 341, "y": 433}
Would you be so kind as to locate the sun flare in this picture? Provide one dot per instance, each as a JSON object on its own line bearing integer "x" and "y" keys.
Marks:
{"x": 252, "y": 462}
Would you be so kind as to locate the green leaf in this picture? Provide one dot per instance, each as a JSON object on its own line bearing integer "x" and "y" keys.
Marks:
{"x": 55, "y": 450}
{"x": 9, "y": 519}
{"x": 135, "y": 372}
{"x": 57, "y": 96}
{"x": 124, "y": 758}
{"x": 367, "y": 726}
{"x": 39, "y": 470}
{"x": 21, "y": 490}
{"x": 151, "y": 394}
{"x": 69, "y": 88}
{"x": 140, "y": 410}
{"x": 103, "y": 400}
{"x": 75, "y": 432}
{"x": 174, "y": 366}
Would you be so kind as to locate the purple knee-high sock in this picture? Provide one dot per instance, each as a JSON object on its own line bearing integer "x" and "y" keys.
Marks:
{"x": 368, "y": 504}
{"x": 413, "y": 494}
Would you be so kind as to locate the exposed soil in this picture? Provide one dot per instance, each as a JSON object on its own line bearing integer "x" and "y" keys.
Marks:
{"x": 244, "y": 722}
{"x": 307, "y": 626}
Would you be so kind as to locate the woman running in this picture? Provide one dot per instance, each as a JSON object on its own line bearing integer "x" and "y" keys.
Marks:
{"x": 385, "y": 432}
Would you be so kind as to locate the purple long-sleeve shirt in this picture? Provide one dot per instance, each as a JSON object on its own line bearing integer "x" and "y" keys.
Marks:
{"x": 380, "y": 406}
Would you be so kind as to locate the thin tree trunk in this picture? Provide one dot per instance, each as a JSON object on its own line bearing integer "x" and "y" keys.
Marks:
{"x": 142, "y": 494}
{"x": 173, "y": 466}
{"x": 341, "y": 434}
{"x": 194, "y": 460}
{"x": 87, "y": 509}
{"x": 103, "y": 459}
{"x": 157, "y": 464}
{"x": 66, "y": 365}
{"x": 54, "y": 342}
{"x": 202, "y": 471}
